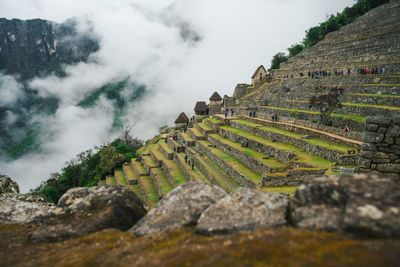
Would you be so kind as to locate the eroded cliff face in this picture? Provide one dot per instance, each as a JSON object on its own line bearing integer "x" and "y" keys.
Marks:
{"x": 36, "y": 47}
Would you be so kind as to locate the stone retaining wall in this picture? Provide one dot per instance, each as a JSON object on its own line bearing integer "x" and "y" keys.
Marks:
{"x": 292, "y": 178}
{"x": 250, "y": 162}
{"x": 310, "y": 148}
{"x": 381, "y": 149}
{"x": 237, "y": 176}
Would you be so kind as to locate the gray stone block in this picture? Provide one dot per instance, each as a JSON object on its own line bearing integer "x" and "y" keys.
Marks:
{"x": 370, "y": 137}
{"x": 393, "y": 131}
{"x": 391, "y": 168}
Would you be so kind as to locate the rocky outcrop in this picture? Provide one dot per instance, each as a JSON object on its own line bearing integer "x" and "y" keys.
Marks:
{"x": 7, "y": 185}
{"x": 81, "y": 211}
{"x": 247, "y": 209}
{"x": 22, "y": 209}
{"x": 364, "y": 205}
{"x": 181, "y": 207}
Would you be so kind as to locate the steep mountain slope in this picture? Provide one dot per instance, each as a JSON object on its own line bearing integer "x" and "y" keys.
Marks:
{"x": 34, "y": 47}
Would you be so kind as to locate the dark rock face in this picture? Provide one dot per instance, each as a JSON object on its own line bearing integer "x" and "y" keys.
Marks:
{"x": 247, "y": 209}
{"x": 181, "y": 207}
{"x": 34, "y": 47}
{"x": 22, "y": 209}
{"x": 81, "y": 211}
{"x": 7, "y": 185}
{"x": 361, "y": 204}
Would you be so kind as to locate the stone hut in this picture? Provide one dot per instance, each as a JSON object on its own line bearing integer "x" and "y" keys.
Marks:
{"x": 259, "y": 75}
{"x": 201, "y": 109}
{"x": 215, "y": 104}
{"x": 182, "y": 121}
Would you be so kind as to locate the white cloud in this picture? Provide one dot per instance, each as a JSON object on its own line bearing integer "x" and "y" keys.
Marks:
{"x": 139, "y": 40}
{"x": 10, "y": 90}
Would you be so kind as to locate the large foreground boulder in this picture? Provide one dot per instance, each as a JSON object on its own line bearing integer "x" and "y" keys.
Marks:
{"x": 366, "y": 205}
{"x": 247, "y": 209}
{"x": 22, "y": 209}
{"x": 81, "y": 211}
{"x": 181, "y": 207}
{"x": 7, "y": 185}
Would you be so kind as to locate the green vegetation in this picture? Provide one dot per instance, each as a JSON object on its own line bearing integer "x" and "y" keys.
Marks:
{"x": 333, "y": 23}
{"x": 281, "y": 189}
{"x": 301, "y": 155}
{"x": 314, "y": 141}
{"x": 326, "y": 103}
{"x": 377, "y": 95}
{"x": 371, "y": 106}
{"x": 147, "y": 185}
{"x": 90, "y": 167}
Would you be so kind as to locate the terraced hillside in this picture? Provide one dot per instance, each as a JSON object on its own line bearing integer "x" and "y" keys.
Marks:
{"x": 363, "y": 58}
{"x": 238, "y": 152}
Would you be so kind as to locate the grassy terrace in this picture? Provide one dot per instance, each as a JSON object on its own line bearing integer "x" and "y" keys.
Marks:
{"x": 129, "y": 173}
{"x": 162, "y": 181}
{"x": 204, "y": 126}
{"x": 302, "y": 156}
{"x": 377, "y": 95}
{"x": 214, "y": 120}
{"x": 222, "y": 179}
{"x": 110, "y": 180}
{"x": 165, "y": 147}
{"x": 138, "y": 168}
{"x": 194, "y": 174}
{"x": 356, "y": 118}
{"x": 280, "y": 189}
{"x": 381, "y": 85}
{"x": 234, "y": 163}
{"x": 314, "y": 141}
{"x": 150, "y": 193}
{"x": 172, "y": 167}
{"x": 272, "y": 163}
{"x": 372, "y": 106}
{"x": 196, "y": 132}
{"x": 120, "y": 177}
{"x": 149, "y": 162}
{"x": 186, "y": 137}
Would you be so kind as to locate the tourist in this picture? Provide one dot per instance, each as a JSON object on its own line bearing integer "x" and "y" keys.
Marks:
{"x": 232, "y": 112}
{"x": 346, "y": 131}
{"x": 226, "y": 113}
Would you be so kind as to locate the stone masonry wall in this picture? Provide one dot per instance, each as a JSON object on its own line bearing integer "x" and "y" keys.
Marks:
{"x": 381, "y": 149}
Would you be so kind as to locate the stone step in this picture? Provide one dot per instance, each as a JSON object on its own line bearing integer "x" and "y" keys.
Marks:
{"x": 148, "y": 190}
{"x": 253, "y": 159}
{"x": 309, "y": 129}
{"x": 204, "y": 128}
{"x": 110, "y": 180}
{"x": 234, "y": 168}
{"x": 120, "y": 177}
{"x": 186, "y": 139}
{"x": 138, "y": 168}
{"x": 166, "y": 150}
{"x": 172, "y": 170}
{"x": 175, "y": 146}
{"x": 160, "y": 181}
{"x": 196, "y": 134}
{"x": 212, "y": 171}
{"x": 283, "y": 152}
{"x": 329, "y": 150}
{"x": 149, "y": 163}
{"x": 190, "y": 173}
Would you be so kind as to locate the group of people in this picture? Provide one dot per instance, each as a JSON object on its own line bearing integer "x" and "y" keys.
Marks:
{"x": 347, "y": 72}
{"x": 252, "y": 114}
{"x": 229, "y": 112}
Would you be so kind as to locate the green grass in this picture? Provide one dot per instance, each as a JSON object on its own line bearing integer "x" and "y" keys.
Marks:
{"x": 150, "y": 192}
{"x": 166, "y": 147}
{"x": 315, "y": 141}
{"x": 372, "y": 106}
{"x": 135, "y": 189}
{"x": 214, "y": 120}
{"x": 162, "y": 181}
{"x": 110, "y": 180}
{"x": 380, "y": 85}
{"x": 196, "y": 132}
{"x": 272, "y": 163}
{"x": 172, "y": 167}
{"x": 149, "y": 162}
{"x": 204, "y": 126}
{"x": 120, "y": 177}
{"x": 187, "y": 137}
{"x": 302, "y": 156}
{"x": 281, "y": 189}
{"x": 377, "y": 95}
{"x": 138, "y": 168}
{"x": 356, "y": 118}
{"x": 234, "y": 163}
{"x": 129, "y": 173}
{"x": 194, "y": 174}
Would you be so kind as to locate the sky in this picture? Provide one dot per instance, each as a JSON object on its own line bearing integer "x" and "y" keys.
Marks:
{"x": 141, "y": 39}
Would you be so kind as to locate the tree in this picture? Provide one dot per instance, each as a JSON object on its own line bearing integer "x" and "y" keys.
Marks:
{"x": 277, "y": 60}
{"x": 109, "y": 160}
{"x": 326, "y": 103}
{"x": 295, "y": 49}
{"x": 127, "y": 138}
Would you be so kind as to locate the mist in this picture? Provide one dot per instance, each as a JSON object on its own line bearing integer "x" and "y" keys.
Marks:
{"x": 181, "y": 51}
